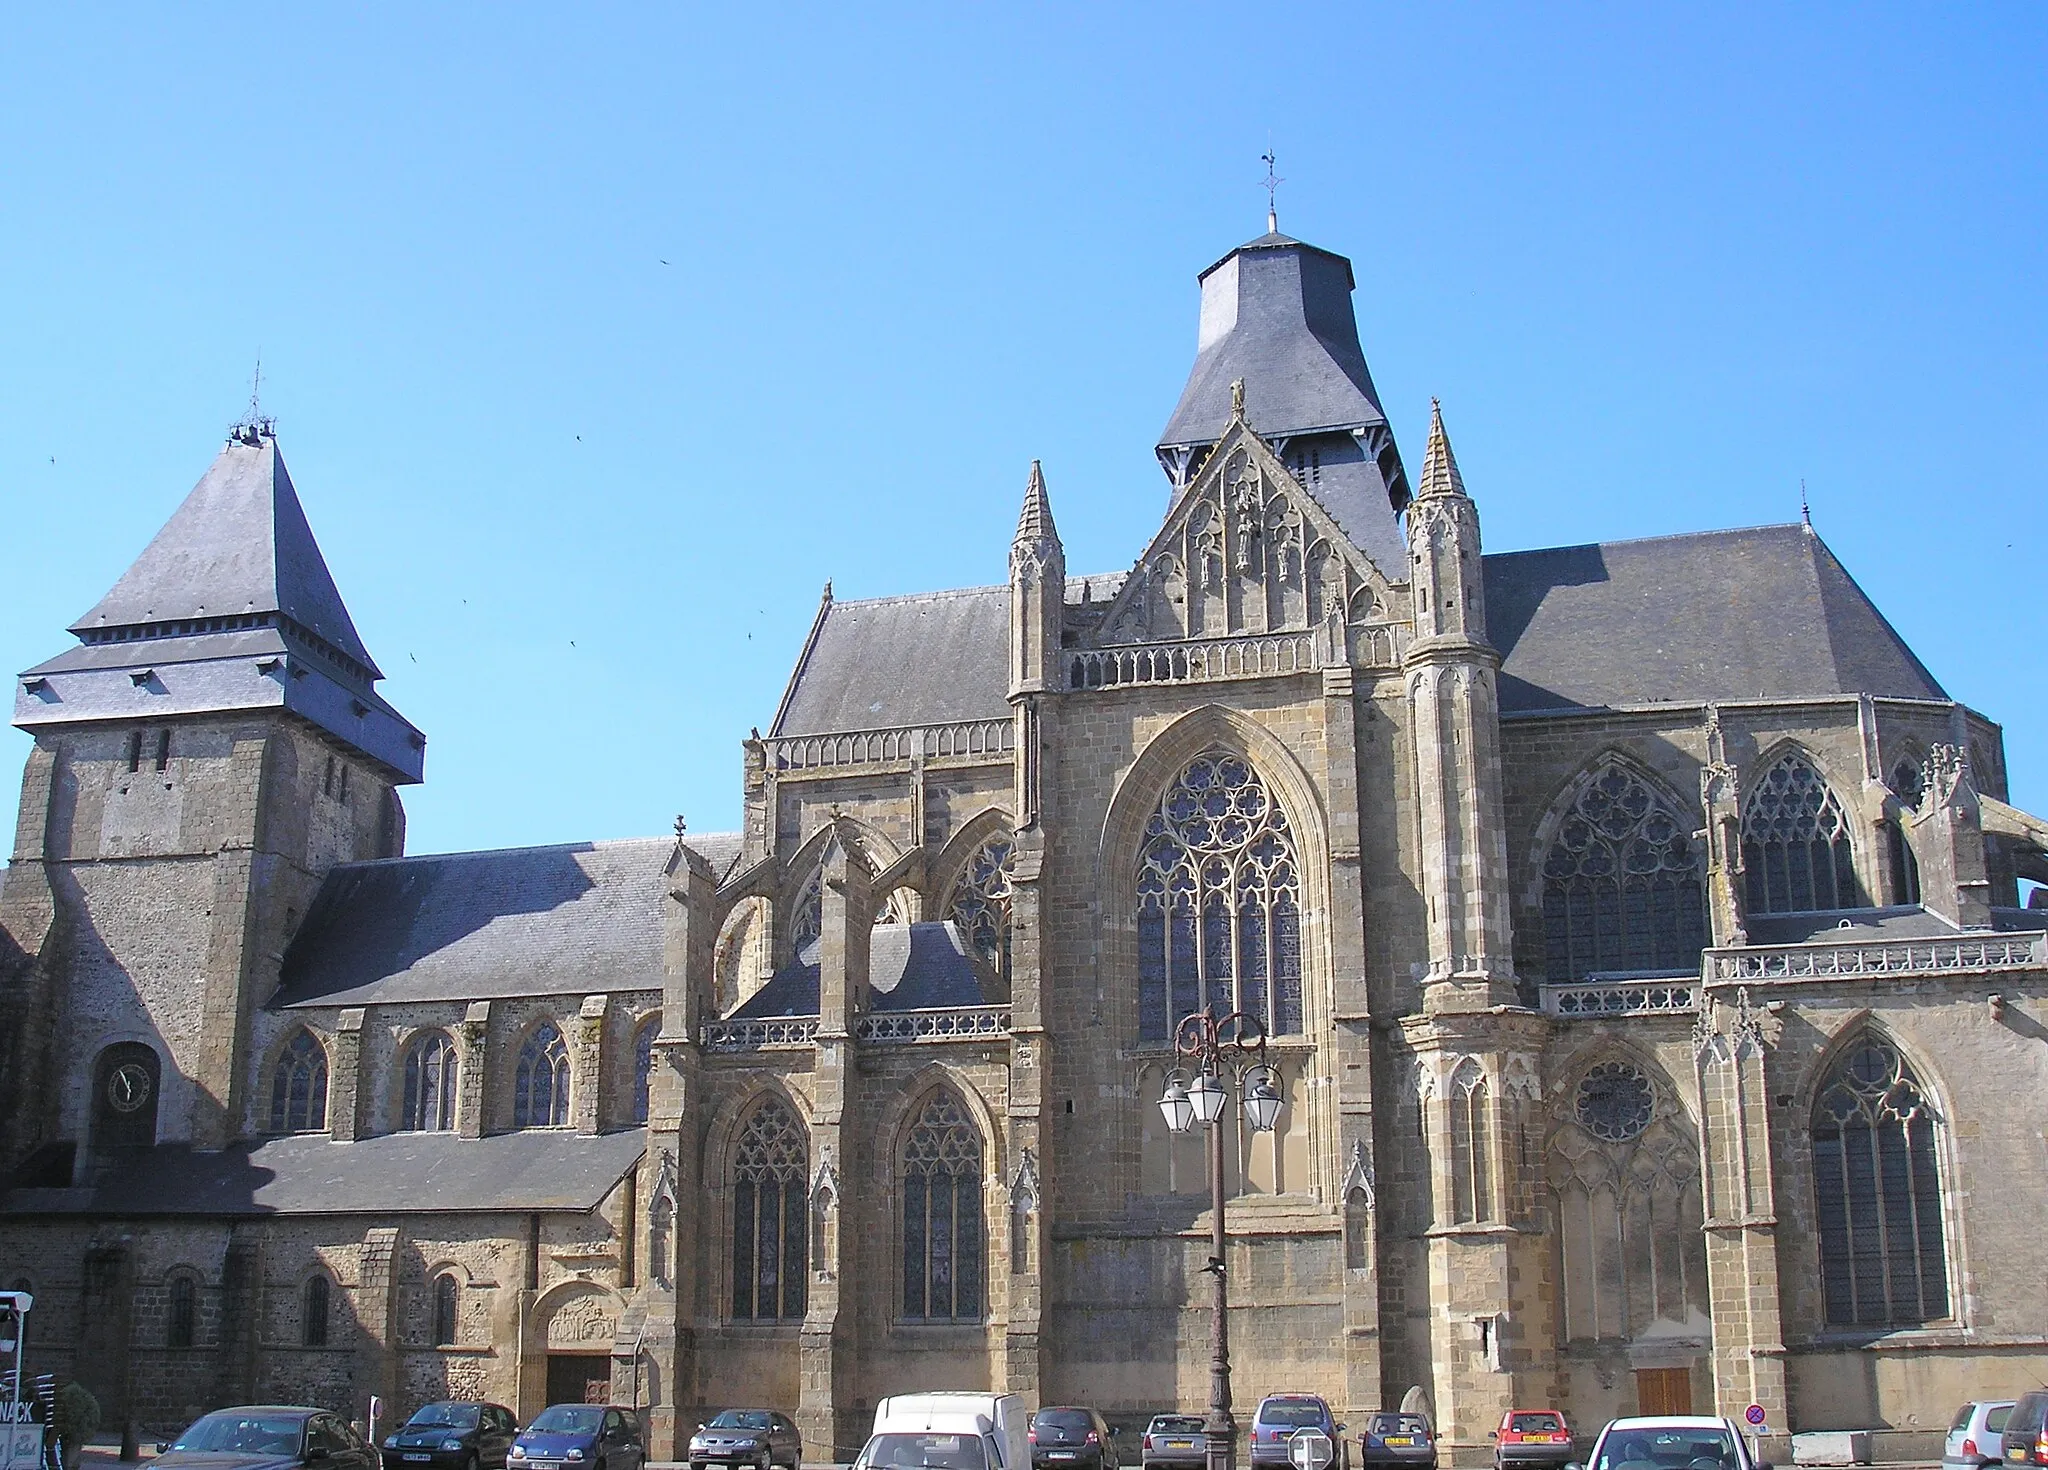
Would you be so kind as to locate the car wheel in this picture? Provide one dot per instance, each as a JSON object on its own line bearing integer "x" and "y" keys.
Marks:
{"x": 470, "y": 1463}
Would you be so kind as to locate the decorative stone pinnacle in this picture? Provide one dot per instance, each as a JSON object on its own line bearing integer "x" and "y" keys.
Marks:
{"x": 1034, "y": 525}
{"x": 1439, "y": 466}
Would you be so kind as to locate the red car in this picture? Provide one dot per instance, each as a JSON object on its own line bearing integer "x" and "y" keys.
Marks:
{"x": 1532, "y": 1439}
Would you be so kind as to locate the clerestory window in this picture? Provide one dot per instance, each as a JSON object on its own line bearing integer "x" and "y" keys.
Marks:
{"x": 298, "y": 1087}
{"x": 1621, "y": 885}
{"x": 1795, "y": 843}
{"x": 980, "y": 905}
{"x": 540, "y": 1086}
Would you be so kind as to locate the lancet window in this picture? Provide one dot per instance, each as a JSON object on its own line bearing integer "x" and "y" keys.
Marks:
{"x": 944, "y": 1247}
{"x": 540, "y": 1085}
{"x": 447, "y": 1301}
{"x": 298, "y": 1087}
{"x": 1621, "y": 885}
{"x": 980, "y": 906}
{"x": 1877, "y": 1188}
{"x": 430, "y": 1085}
{"x": 1908, "y": 782}
{"x": 770, "y": 1171}
{"x": 643, "y": 1066}
{"x": 1795, "y": 843}
{"x": 1471, "y": 1157}
{"x": 1219, "y": 902}
{"x": 313, "y": 1323}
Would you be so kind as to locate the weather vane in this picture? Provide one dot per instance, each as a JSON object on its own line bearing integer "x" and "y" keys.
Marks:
{"x": 255, "y": 425}
{"x": 1273, "y": 183}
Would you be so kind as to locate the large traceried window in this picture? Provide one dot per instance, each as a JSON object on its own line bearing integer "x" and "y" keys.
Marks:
{"x": 980, "y": 905}
{"x": 943, "y": 1243}
{"x": 540, "y": 1086}
{"x": 1877, "y": 1188}
{"x": 1795, "y": 843}
{"x": 298, "y": 1087}
{"x": 429, "y": 1085}
{"x": 1621, "y": 886}
{"x": 1219, "y": 902}
{"x": 770, "y": 1171}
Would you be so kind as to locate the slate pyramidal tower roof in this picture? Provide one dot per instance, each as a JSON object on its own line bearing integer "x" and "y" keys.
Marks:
{"x": 230, "y": 607}
{"x": 1276, "y": 315}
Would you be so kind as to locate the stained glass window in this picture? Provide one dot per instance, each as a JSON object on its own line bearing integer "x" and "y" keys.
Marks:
{"x": 1621, "y": 885}
{"x": 430, "y": 1085}
{"x": 1795, "y": 843}
{"x": 980, "y": 905}
{"x": 314, "y": 1324}
{"x": 1877, "y": 1188}
{"x": 298, "y": 1087}
{"x": 770, "y": 1172}
{"x": 1219, "y": 902}
{"x": 540, "y": 1086}
{"x": 1615, "y": 1101}
{"x": 942, "y": 1225}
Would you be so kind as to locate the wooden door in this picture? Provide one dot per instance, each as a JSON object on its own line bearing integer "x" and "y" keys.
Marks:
{"x": 1663, "y": 1390}
{"x": 579, "y": 1378}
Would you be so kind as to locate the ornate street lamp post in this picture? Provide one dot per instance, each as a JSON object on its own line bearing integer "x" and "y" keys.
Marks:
{"x": 1211, "y": 1044}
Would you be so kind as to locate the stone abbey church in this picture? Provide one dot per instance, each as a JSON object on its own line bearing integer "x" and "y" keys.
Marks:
{"x": 1636, "y": 927}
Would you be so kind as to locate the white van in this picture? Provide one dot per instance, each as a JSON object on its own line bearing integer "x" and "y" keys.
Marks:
{"x": 949, "y": 1431}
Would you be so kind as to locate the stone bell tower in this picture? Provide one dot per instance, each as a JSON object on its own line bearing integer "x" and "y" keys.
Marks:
{"x": 213, "y": 744}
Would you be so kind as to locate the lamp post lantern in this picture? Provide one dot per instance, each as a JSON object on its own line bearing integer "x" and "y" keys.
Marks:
{"x": 1210, "y": 1043}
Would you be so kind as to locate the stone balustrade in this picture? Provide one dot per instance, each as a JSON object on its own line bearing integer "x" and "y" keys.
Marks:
{"x": 991, "y": 738}
{"x": 759, "y": 1034}
{"x": 1634, "y": 995}
{"x": 1954, "y": 955}
{"x": 1194, "y": 663}
{"x": 881, "y": 1028}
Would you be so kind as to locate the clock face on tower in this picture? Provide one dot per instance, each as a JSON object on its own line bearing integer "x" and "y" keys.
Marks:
{"x": 128, "y": 1087}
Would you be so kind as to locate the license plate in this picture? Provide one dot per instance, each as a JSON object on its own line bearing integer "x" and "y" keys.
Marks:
{"x": 415, "y": 1457}
{"x": 1061, "y": 1455}
{"x": 1401, "y": 1440}
{"x": 1180, "y": 1444}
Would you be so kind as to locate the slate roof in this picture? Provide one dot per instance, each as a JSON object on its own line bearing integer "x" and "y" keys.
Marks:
{"x": 534, "y": 1171}
{"x": 238, "y": 544}
{"x": 579, "y": 919}
{"x": 911, "y": 967}
{"x": 927, "y": 659}
{"x": 1766, "y": 612}
{"x": 1854, "y": 926}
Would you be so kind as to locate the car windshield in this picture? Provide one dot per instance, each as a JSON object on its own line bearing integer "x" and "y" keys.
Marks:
{"x": 1673, "y": 1448}
{"x": 1291, "y": 1413}
{"x": 1176, "y": 1424}
{"x": 566, "y": 1419}
{"x": 1535, "y": 1424}
{"x": 444, "y": 1416}
{"x": 740, "y": 1419}
{"x": 923, "y": 1452}
{"x": 1384, "y": 1424}
{"x": 237, "y": 1431}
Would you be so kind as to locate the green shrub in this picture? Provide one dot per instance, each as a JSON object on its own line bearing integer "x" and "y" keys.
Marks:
{"x": 78, "y": 1413}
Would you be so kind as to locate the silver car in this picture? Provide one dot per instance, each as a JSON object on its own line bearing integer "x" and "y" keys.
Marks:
{"x": 1977, "y": 1438}
{"x": 1673, "y": 1442}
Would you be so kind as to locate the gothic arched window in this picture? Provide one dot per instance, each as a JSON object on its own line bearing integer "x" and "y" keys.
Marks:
{"x": 807, "y": 917}
{"x": 1219, "y": 902}
{"x": 643, "y": 1065}
{"x": 1471, "y": 1158}
{"x": 181, "y": 1325}
{"x": 1795, "y": 843}
{"x": 1908, "y": 782}
{"x": 1621, "y": 886}
{"x": 540, "y": 1086}
{"x": 429, "y": 1085}
{"x": 980, "y": 906}
{"x": 313, "y": 1321}
{"x": 298, "y": 1087}
{"x": 943, "y": 1250}
{"x": 1877, "y": 1188}
{"x": 447, "y": 1299}
{"x": 770, "y": 1221}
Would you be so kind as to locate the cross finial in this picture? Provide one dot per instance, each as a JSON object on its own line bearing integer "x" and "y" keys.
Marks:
{"x": 682, "y": 826}
{"x": 255, "y": 427}
{"x": 1273, "y": 183}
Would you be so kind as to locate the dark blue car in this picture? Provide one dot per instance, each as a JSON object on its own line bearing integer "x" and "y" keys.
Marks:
{"x": 580, "y": 1437}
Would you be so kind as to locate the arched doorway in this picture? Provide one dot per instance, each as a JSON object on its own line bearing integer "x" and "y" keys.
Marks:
{"x": 581, "y": 1324}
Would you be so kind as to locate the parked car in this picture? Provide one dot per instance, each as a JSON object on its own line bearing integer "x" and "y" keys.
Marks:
{"x": 1174, "y": 1440}
{"x": 1532, "y": 1439}
{"x": 1071, "y": 1437}
{"x": 452, "y": 1436}
{"x": 2024, "y": 1440}
{"x": 1977, "y": 1437}
{"x": 590, "y": 1436}
{"x": 1402, "y": 1441}
{"x": 1280, "y": 1417}
{"x": 948, "y": 1430}
{"x": 759, "y": 1437}
{"x": 267, "y": 1437}
{"x": 1672, "y": 1442}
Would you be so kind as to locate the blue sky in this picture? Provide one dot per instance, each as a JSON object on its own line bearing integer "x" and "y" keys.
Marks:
{"x": 599, "y": 338}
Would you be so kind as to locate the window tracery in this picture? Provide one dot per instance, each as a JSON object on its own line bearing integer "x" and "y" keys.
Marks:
{"x": 1795, "y": 843}
{"x": 770, "y": 1171}
{"x": 1622, "y": 885}
{"x": 980, "y": 905}
{"x": 943, "y": 1242}
{"x": 298, "y": 1087}
{"x": 1877, "y": 1187}
{"x": 807, "y": 918}
{"x": 1219, "y": 902}
{"x": 1615, "y": 1102}
{"x": 540, "y": 1086}
{"x": 429, "y": 1085}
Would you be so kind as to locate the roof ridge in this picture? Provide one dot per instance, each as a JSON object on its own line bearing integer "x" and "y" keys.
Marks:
{"x": 591, "y": 844}
{"x": 1646, "y": 540}
{"x": 932, "y": 596}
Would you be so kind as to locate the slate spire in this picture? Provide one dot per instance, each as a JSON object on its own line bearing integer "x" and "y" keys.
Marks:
{"x": 1439, "y": 466}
